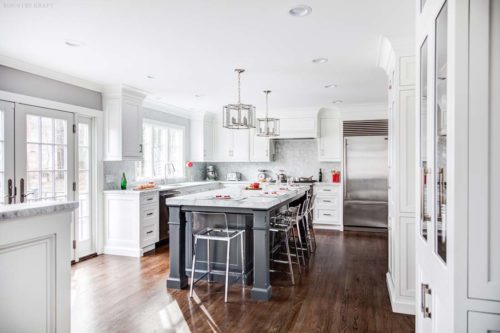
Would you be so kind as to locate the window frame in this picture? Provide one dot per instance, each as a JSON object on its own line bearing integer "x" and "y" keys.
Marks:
{"x": 168, "y": 126}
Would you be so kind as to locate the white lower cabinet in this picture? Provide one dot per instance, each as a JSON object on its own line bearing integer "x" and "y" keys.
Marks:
{"x": 132, "y": 222}
{"x": 327, "y": 206}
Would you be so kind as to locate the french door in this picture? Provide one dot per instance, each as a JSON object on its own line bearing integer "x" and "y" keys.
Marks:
{"x": 46, "y": 155}
{"x": 44, "y": 158}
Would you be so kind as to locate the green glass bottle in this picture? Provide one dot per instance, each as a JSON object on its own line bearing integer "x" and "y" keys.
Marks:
{"x": 124, "y": 182}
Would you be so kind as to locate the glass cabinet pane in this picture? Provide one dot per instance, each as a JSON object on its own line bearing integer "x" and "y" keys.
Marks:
{"x": 424, "y": 171}
{"x": 440, "y": 145}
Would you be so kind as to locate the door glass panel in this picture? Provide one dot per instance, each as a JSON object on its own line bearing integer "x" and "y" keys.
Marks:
{"x": 440, "y": 145}
{"x": 424, "y": 172}
{"x": 84, "y": 211}
{"x": 2, "y": 159}
{"x": 47, "y": 158}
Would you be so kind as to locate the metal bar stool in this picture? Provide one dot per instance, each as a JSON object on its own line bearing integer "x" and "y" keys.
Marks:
{"x": 300, "y": 226}
{"x": 282, "y": 225}
{"x": 221, "y": 235}
{"x": 309, "y": 223}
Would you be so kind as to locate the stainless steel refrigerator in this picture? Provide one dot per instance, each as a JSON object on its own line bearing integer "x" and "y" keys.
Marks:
{"x": 365, "y": 182}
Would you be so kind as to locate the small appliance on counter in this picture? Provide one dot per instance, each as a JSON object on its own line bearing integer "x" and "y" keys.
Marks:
{"x": 233, "y": 176}
{"x": 211, "y": 173}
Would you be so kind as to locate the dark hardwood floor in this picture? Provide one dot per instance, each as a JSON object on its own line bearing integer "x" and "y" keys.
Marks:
{"x": 343, "y": 290}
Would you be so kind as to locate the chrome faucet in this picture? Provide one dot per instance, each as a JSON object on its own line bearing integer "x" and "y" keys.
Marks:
{"x": 169, "y": 172}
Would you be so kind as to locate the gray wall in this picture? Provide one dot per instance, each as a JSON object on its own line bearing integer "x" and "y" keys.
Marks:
{"x": 114, "y": 169}
{"x": 299, "y": 158}
{"x": 24, "y": 83}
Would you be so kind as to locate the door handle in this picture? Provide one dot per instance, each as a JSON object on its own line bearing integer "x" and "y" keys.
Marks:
{"x": 425, "y": 291}
{"x": 140, "y": 148}
{"x": 11, "y": 192}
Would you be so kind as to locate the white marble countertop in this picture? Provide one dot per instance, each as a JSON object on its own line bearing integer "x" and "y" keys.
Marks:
{"x": 327, "y": 184}
{"x": 23, "y": 210}
{"x": 264, "y": 199}
{"x": 177, "y": 186}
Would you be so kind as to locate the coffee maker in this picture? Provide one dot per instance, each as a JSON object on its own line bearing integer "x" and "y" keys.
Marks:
{"x": 211, "y": 172}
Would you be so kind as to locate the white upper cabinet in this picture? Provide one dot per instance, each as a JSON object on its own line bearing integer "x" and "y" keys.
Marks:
{"x": 330, "y": 140}
{"x": 261, "y": 148}
{"x": 407, "y": 71}
{"x": 202, "y": 139}
{"x": 122, "y": 123}
{"x": 298, "y": 127}
{"x": 231, "y": 145}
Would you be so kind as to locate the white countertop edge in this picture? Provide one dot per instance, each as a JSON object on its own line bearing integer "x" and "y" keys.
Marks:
{"x": 327, "y": 184}
{"x": 9, "y": 212}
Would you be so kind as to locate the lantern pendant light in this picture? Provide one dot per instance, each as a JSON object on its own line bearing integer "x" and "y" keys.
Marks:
{"x": 268, "y": 127}
{"x": 238, "y": 116}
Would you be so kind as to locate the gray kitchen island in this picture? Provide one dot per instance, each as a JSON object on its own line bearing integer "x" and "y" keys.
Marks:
{"x": 250, "y": 210}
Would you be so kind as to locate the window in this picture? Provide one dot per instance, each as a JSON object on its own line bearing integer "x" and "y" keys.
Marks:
{"x": 163, "y": 147}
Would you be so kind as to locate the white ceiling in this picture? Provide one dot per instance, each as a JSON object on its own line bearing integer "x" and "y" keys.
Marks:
{"x": 192, "y": 46}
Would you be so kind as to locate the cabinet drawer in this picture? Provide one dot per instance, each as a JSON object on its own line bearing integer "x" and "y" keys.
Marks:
{"x": 149, "y": 214}
{"x": 327, "y": 202}
{"x": 327, "y": 214}
{"x": 327, "y": 191}
{"x": 149, "y": 235}
{"x": 149, "y": 198}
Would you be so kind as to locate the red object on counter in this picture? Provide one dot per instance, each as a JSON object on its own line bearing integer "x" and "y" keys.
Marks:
{"x": 336, "y": 177}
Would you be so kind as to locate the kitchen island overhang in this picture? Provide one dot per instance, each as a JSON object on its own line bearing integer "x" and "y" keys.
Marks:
{"x": 256, "y": 207}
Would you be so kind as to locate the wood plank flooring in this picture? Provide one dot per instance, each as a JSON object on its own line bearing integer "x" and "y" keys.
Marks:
{"x": 343, "y": 290}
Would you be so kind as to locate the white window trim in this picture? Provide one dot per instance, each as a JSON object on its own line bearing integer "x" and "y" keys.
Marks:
{"x": 168, "y": 125}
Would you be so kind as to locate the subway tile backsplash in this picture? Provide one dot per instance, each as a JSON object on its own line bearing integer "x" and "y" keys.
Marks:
{"x": 299, "y": 158}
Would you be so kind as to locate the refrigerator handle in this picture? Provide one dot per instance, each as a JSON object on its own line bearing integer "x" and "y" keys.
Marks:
{"x": 344, "y": 172}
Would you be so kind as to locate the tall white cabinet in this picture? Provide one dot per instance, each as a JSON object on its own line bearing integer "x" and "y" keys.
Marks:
{"x": 123, "y": 115}
{"x": 458, "y": 230}
{"x": 399, "y": 63}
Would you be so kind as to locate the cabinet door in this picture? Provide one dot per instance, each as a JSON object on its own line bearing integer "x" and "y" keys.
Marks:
{"x": 131, "y": 130}
{"x": 407, "y": 71}
{"x": 329, "y": 143}
{"x": 222, "y": 143}
{"x": 208, "y": 141}
{"x": 298, "y": 128}
{"x": 484, "y": 155}
{"x": 240, "y": 148}
{"x": 260, "y": 149}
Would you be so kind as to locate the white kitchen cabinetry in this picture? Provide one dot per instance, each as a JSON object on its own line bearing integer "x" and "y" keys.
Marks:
{"x": 261, "y": 148}
{"x": 330, "y": 140}
{"x": 122, "y": 123}
{"x": 458, "y": 233}
{"x": 298, "y": 127}
{"x": 131, "y": 222}
{"x": 327, "y": 206}
{"x": 401, "y": 181}
{"x": 231, "y": 145}
{"x": 202, "y": 139}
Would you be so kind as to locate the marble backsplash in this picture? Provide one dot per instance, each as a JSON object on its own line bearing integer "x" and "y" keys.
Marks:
{"x": 299, "y": 158}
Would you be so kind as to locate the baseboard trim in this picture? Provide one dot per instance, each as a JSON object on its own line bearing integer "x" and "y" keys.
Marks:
{"x": 404, "y": 306}
{"x": 122, "y": 251}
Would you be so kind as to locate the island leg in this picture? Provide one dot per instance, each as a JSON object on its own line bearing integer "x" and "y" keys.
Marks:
{"x": 261, "y": 282}
{"x": 177, "y": 230}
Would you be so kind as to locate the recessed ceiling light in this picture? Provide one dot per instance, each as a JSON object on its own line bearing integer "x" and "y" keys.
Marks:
{"x": 73, "y": 43}
{"x": 300, "y": 11}
{"x": 331, "y": 85}
{"x": 150, "y": 77}
{"x": 197, "y": 95}
{"x": 337, "y": 101}
{"x": 320, "y": 60}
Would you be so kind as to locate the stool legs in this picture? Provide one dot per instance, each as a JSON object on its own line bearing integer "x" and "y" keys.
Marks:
{"x": 242, "y": 262}
{"x": 227, "y": 270}
{"x": 192, "y": 268}
{"x": 289, "y": 257}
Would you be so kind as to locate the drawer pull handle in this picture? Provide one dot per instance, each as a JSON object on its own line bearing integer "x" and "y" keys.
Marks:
{"x": 149, "y": 214}
{"x": 327, "y": 200}
{"x": 149, "y": 199}
{"x": 327, "y": 190}
{"x": 150, "y": 232}
{"x": 326, "y": 214}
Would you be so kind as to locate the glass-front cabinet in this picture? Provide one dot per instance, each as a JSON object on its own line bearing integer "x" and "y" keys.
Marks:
{"x": 439, "y": 137}
{"x": 433, "y": 108}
